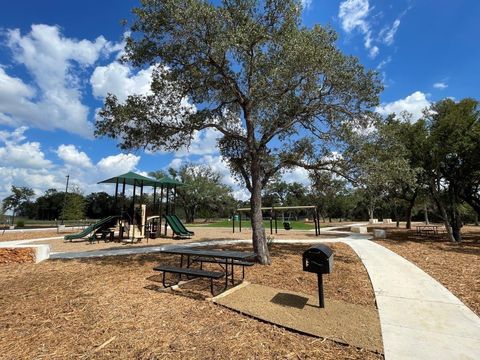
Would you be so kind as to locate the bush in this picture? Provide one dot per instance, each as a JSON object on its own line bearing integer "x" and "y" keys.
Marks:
{"x": 20, "y": 223}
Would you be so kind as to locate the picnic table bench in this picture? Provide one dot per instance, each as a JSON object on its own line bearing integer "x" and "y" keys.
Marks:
{"x": 188, "y": 271}
{"x": 427, "y": 229}
{"x": 226, "y": 260}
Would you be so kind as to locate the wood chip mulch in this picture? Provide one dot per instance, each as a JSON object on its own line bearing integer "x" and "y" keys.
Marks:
{"x": 28, "y": 235}
{"x": 455, "y": 265}
{"x": 104, "y": 308}
{"x": 16, "y": 255}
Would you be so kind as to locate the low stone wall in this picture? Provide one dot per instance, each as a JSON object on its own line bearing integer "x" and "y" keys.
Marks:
{"x": 359, "y": 229}
{"x": 379, "y": 234}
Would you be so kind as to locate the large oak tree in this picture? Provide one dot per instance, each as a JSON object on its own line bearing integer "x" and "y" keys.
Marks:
{"x": 280, "y": 94}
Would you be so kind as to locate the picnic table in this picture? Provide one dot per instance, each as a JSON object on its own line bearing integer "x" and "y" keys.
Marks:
{"x": 226, "y": 260}
{"x": 427, "y": 229}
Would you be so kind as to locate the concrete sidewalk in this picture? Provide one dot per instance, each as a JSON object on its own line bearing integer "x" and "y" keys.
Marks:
{"x": 420, "y": 318}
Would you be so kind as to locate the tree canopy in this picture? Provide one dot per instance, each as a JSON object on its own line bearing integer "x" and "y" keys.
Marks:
{"x": 19, "y": 196}
{"x": 279, "y": 93}
{"x": 203, "y": 191}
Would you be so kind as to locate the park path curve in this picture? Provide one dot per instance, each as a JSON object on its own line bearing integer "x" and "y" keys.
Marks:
{"x": 420, "y": 318}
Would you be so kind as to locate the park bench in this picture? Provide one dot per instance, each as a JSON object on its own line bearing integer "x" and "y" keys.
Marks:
{"x": 196, "y": 273}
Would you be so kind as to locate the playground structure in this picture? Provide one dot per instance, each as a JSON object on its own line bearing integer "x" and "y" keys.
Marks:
{"x": 273, "y": 217}
{"x": 133, "y": 221}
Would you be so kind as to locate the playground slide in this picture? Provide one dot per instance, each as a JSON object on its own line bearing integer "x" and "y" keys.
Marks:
{"x": 181, "y": 226}
{"x": 88, "y": 230}
{"x": 176, "y": 230}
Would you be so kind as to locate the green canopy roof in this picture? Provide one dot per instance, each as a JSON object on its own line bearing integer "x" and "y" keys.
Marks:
{"x": 168, "y": 181}
{"x": 132, "y": 178}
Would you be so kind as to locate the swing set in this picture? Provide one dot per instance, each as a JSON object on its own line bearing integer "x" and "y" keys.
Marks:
{"x": 273, "y": 217}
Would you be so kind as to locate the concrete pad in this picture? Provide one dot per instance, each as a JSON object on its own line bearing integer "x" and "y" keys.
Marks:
{"x": 343, "y": 322}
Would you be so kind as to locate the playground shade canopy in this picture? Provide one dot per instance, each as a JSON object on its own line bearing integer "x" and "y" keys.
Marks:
{"x": 132, "y": 178}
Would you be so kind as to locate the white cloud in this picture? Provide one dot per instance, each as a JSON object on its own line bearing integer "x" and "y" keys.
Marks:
{"x": 175, "y": 163}
{"x": 306, "y": 3}
{"x": 354, "y": 17}
{"x": 23, "y": 163}
{"x": 353, "y": 14}
{"x": 374, "y": 52}
{"x": 298, "y": 175}
{"x": 117, "y": 164}
{"x": 414, "y": 104}
{"x": 56, "y": 63}
{"x": 384, "y": 63}
{"x": 38, "y": 179}
{"x": 203, "y": 143}
{"x": 118, "y": 79}
{"x": 390, "y": 33}
{"x": 19, "y": 154}
{"x": 220, "y": 166}
{"x": 74, "y": 157}
{"x": 440, "y": 85}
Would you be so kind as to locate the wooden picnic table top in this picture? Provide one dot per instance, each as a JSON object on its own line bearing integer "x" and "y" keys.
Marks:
{"x": 219, "y": 254}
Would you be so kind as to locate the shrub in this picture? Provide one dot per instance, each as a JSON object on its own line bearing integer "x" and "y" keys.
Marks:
{"x": 20, "y": 223}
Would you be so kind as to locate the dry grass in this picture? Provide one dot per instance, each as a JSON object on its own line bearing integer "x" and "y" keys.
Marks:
{"x": 103, "y": 308}
{"x": 456, "y": 266}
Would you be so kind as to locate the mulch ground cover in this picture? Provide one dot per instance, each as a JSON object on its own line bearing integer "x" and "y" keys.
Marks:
{"x": 105, "y": 308}
{"x": 455, "y": 265}
{"x": 28, "y": 235}
{"x": 16, "y": 255}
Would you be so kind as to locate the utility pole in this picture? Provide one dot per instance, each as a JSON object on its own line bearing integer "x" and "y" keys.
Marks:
{"x": 65, "y": 199}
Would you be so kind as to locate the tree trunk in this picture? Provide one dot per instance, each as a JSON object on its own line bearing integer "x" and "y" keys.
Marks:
{"x": 371, "y": 209}
{"x": 476, "y": 219}
{"x": 456, "y": 224}
{"x": 411, "y": 204}
{"x": 425, "y": 209}
{"x": 258, "y": 231}
{"x": 443, "y": 211}
{"x": 395, "y": 212}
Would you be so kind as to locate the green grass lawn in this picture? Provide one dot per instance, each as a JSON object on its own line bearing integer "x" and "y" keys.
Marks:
{"x": 296, "y": 225}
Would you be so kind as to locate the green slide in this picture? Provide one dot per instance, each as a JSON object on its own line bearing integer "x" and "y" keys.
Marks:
{"x": 175, "y": 228}
{"x": 181, "y": 226}
{"x": 88, "y": 230}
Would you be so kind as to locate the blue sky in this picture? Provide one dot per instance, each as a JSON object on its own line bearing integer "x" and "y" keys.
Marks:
{"x": 58, "y": 60}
